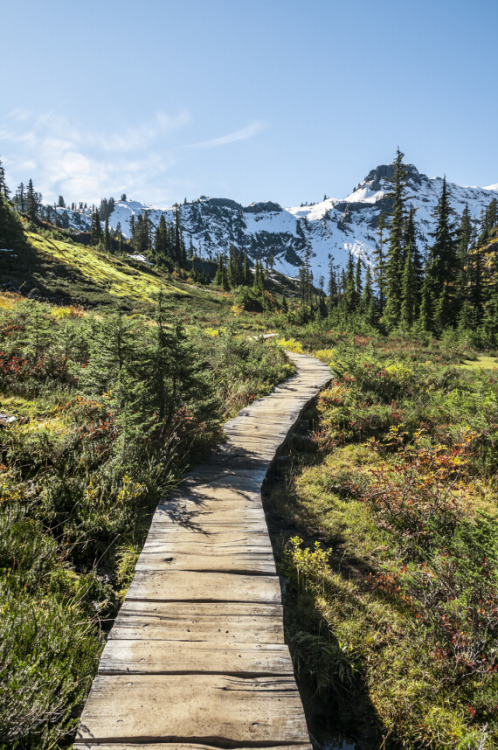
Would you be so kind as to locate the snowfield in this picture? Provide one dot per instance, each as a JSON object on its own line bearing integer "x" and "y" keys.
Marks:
{"x": 329, "y": 230}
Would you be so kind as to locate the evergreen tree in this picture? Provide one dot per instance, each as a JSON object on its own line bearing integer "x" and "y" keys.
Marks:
{"x": 489, "y": 219}
{"x": 333, "y": 287}
{"x": 161, "y": 242}
{"x": 218, "y": 278}
{"x": 426, "y": 306}
{"x": 31, "y": 201}
{"x": 11, "y": 233}
{"x": 357, "y": 282}
{"x": 107, "y": 236}
{"x": 96, "y": 229}
{"x": 417, "y": 262}
{"x": 393, "y": 266}
{"x": 409, "y": 305}
{"x": 235, "y": 267}
{"x": 464, "y": 238}
{"x": 306, "y": 278}
{"x": 350, "y": 295}
{"x": 247, "y": 275}
{"x": 443, "y": 264}
{"x": 368, "y": 299}
{"x": 20, "y": 199}
{"x": 179, "y": 252}
{"x": 4, "y": 191}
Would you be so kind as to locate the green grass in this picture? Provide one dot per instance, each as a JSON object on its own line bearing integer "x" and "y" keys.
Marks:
{"x": 120, "y": 278}
{"x": 393, "y": 619}
{"x": 88, "y": 457}
{"x": 482, "y": 362}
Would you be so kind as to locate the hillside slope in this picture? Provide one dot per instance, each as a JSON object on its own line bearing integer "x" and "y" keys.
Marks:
{"x": 331, "y": 228}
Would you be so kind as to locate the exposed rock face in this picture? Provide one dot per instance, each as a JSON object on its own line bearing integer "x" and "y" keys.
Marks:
{"x": 330, "y": 229}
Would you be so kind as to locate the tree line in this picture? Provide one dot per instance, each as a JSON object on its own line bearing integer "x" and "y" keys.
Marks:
{"x": 454, "y": 284}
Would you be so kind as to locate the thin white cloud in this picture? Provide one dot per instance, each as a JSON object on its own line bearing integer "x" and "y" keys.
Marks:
{"x": 66, "y": 160}
{"x": 80, "y": 164}
{"x": 239, "y": 135}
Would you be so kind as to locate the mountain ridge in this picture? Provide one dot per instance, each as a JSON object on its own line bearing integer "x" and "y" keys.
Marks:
{"x": 329, "y": 229}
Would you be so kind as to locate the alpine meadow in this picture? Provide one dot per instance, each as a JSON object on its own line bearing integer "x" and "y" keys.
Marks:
{"x": 249, "y": 375}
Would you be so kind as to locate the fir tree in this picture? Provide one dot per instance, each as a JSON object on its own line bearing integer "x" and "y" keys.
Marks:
{"x": 408, "y": 292}
{"x": 31, "y": 201}
{"x": 410, "y": 239}
{"x": 357, "y": 281}
{"x": 464, "y": 238}
{"x": 4, "y": 191}
{"x": 396, "y": 245}
{"x": 350, "y": 295}
{"x": 443, "y": 264}
{"x": 425, "y": 316}
{"x": 20, "y": 198}
{"x": 333, "y": 287}
{"x": 107, "y": 236}
{"x": 368, "y": 299}
{"x": 247, "y": 271}
{"x": 96, "y": 229}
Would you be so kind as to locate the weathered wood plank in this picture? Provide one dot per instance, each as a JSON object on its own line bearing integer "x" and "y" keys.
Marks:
{"x": 191, "y": 657}
{"x": 174, "y": 746}
{"x": 209, "y": 708}
{"x": 218, "y": 623}
{"x": 207, "y": 587}
{"x": 204, "y": 559}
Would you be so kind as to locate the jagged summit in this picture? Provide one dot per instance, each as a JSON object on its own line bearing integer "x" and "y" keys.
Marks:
{"x": 330, "y": 229}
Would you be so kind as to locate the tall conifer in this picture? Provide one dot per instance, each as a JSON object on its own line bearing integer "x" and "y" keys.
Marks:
{"x": 396, "y": 245}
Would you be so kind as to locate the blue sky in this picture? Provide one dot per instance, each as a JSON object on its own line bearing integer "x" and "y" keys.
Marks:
{"x": 264, "y": 100}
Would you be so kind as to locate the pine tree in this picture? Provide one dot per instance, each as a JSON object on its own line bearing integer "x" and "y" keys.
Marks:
{"x": 218, "y": 279}
{"x": 31, "y": 201}
{"x": 180, "y": 254}
{"x": 306, "y": 278}
{"x": 464, "y": 238}
{"x": 357, "y": 282}
{"x": 443, "y": 264}
{"x": 235, "y": 267}
{"x": 350, "y": 295}
{"x": 247, "y": 271}
{"x": 107, "y": 236}
{"x": 333, "y": 287}
{"x": 20, "y": 198}
{"x": 4, "y": 190}
{"x": 410, "y": 240}
{"x": 408, "y": 292}
{"x": 368, "y": 300}
{"x": 396, "y": 245}
{"x": 96, "y": 229}
{"x": 425, "y": 316}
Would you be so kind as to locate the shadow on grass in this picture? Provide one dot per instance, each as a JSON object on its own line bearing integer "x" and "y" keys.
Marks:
{"x": 340, "y": 716}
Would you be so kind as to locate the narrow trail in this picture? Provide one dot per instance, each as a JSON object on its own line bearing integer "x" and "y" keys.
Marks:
{"x": 196, "y": 658}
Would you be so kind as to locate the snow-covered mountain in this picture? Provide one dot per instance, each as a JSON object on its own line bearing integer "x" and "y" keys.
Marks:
{"x": 329, "y": 229}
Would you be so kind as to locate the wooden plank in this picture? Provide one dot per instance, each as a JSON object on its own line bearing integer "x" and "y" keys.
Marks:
{"x": 174, "y": 746}
{"x": 217, "y": 623}
{"x": 191, "y": 657}
{"x": 204, "y": 559}
{"x": 209, "y": 708}
{"x": 206, "y": 587}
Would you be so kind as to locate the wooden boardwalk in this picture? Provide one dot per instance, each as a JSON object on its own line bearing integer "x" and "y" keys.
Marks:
{"x": 196, "y": 658}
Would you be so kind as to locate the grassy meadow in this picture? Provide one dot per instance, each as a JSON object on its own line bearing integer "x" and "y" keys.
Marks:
{"x": 387, "y": 531}
{"x": 114, "y": 394}
{"x": 384, "y": 518}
